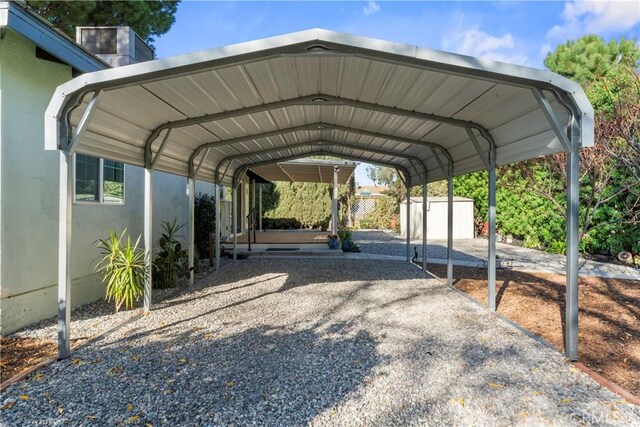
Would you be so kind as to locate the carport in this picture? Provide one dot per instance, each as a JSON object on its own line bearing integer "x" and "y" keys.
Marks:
{"x": 212, "y": 115}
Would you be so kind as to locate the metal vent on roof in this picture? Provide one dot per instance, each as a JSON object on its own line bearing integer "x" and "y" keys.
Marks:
{"x": 100, "y": 40}
{"x": 115, "y": 45}
{"x": 143, "y": 51}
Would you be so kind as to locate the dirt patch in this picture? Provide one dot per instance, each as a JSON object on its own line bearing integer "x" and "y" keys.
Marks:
{"x": 609, "y": 318}
{"x": 18, "y": 354}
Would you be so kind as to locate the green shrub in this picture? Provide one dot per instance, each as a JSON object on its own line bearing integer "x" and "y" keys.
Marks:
{"x": 345, "y": 234}
{"x": 172, "y": 261}
{"x": 281, "y": 224}
{"x": 205, "y": 222}
{"x": 519, "y": 212}
{"x": 384, "y": 216}
{"x": 308, "y": 203}
{"x": 557, "y": 247}
{"x": 122, "y": 269}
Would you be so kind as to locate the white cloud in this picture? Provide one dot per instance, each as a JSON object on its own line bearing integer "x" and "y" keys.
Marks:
{"x": 475, "y": 42}
{"x": 544, "y": 50}
{"x": 370, "y": 8}
{"x": 595, "y": 17}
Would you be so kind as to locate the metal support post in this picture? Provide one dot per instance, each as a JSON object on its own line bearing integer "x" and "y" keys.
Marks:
{"x": 191, "y": 182}
{"x": 571, "y": 296}
{"x": 425, "y": 193}
{"x": 450, "y": 230}
{"x": 253, "y": 195}
{"x": 148, "y": 237}
{"x": 253, "y": 209}
{"x": 491, "y": 264}
{"x": 408, "y": 223}
{"x": 260, "y": 208}
{"x": 334, "y": 202}
{"x": 234, "y": 216}
{"x": 249, "y": 216}
{"x": 65, "y": 210}
{"x": 217, "y": 237}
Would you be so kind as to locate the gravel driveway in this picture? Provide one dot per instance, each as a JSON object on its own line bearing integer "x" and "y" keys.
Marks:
{"x": 320, "y": 342}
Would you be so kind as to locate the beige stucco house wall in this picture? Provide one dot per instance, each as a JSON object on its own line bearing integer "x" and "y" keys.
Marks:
{"x": 29, "y": 196}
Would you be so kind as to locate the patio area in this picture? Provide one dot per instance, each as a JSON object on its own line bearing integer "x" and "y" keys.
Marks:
{"x": 319, "y": 342}
{"x": 287, "y": 237}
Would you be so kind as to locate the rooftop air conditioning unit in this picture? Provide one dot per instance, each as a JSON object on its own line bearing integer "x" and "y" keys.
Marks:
{"x": 116, "y": 46}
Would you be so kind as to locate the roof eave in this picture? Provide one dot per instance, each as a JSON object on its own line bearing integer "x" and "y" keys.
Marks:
{"x": 38, "y": 31}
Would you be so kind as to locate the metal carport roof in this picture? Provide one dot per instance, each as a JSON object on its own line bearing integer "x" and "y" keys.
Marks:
{"x": 212, "y": 115}
{"x": 317, "y": 91}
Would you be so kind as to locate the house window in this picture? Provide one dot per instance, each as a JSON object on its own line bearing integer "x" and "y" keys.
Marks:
{"x": 113, "y": 181}
{"x": 98, "y": 180}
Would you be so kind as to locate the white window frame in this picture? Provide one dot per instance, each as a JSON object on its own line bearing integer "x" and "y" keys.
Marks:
{"x": 100, "y": 200}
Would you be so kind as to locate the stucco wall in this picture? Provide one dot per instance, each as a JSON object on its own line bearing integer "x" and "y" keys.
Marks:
{"x": 29, "y": 197}
{"x": 29, "y": 204}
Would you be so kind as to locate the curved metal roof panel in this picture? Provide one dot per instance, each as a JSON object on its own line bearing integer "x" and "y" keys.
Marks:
{"x": 228, "y": 108}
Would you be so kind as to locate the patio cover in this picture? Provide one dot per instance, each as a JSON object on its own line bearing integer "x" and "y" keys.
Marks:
{"x": 212, "y": 115}
{"x": 306, "y": 170}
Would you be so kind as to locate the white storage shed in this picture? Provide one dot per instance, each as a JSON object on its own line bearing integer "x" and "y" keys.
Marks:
{"x": 437, "y": 218}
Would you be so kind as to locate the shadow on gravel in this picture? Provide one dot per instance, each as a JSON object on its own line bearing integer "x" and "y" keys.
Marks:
{"x": 248, "y": 285}
{"x": 301, "y": 273}
{"x": 270, "y": 376}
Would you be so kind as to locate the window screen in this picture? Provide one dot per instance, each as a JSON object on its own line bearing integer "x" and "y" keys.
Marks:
{"x": 99, "y": 180}
{"x": 87, "y": 178}
{"x": 113, "y": 185}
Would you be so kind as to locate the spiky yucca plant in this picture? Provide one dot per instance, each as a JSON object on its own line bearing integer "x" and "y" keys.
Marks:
{"x": 122, "y": 269}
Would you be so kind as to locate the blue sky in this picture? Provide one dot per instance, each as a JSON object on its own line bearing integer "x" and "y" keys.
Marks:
{"x": 512, "y": 31}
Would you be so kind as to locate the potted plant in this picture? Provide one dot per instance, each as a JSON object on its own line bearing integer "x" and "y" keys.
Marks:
{"x": 122, "y": 269}
{"x": 345, "y": 234}
{"x": 332, "y": 241}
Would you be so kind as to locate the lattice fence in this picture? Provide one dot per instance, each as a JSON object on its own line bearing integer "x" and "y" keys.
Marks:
{"x": 361, "y": 207}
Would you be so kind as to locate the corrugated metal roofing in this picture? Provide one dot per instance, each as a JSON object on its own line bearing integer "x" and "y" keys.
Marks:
{"x": 217, "y": 112}
{"x": 306, "y": 170}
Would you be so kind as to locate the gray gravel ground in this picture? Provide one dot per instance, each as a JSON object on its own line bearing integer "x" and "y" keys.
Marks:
{"x": 99, "y": 316}
{"x": 475, "y": 251}
{"x": 389, "y": 243}
{"x": 319, "y": 342}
